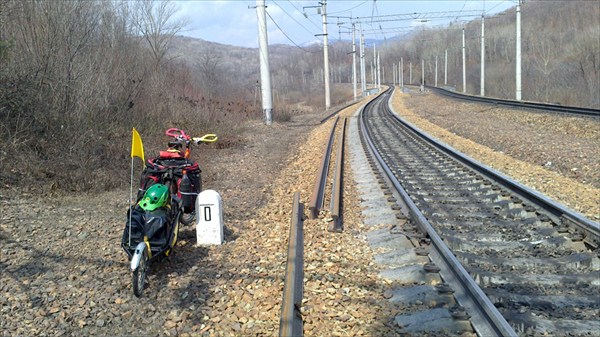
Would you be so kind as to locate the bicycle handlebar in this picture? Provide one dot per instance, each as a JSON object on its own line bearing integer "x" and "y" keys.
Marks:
{"x": 177, "y": 133}
{"x": 208, "y": 138}
{"x": 181, "y": 135}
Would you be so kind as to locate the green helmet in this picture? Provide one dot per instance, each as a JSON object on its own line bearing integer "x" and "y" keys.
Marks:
{"x": 156, "y": 196}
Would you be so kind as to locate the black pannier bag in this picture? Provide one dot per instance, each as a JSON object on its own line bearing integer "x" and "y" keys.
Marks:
{"x": 161, "y": 169}
{"x": 154, "y": 225}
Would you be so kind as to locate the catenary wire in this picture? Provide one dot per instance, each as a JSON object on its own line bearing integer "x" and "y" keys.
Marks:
{"x": 298, "y": 22}
{"x": 350, "y": 9}
{"x": 308, "y": 18}
{"x": 284, "y": 33}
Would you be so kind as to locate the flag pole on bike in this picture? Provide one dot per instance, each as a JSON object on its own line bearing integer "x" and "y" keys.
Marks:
{"x": 137, "y": 150}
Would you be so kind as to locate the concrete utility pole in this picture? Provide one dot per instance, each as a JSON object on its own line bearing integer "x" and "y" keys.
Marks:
{"x": 482, "y": 91}
{"x": 422, "y": 72}
{"x": 464, "y": 59}
{"x": 374, "y": 67}
{"x": 354, "y": 86}
{"x": 378, "y": 68}
{"x": 436, "y": 70}
{"x": 397, "y": 74}
{"x": 265, "y": 74}
{"x": 410, "y": 72}
{"x": 363, "y": 68}
{"x": 326, "y": 55}
{"x": 402, "y": 72}
{"x": 518, "y": 66}
{"x": 446, "y": 67}
{"x": 372, "y": 74}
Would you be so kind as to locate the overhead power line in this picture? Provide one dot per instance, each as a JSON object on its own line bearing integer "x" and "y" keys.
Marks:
{"x": 375, "y": 31}
{"x": 292, "y": 17}
{"x": 381, "y": 31}
{"x": 308, "y": 17}
{"x": 350, "y": 9}
{"x": 417, "y": 16}
{"x": 498, "y": 4}
{"x": 289, "y": 38}
{"x": 302, "y": 11}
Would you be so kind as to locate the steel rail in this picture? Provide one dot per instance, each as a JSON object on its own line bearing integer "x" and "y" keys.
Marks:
{"x": 560, "y": 213}
{"x": 290, "y": 323}
{"x": 336, "y": 194}
{"x": 485, "y": 317}
{"x": 338, "y": 111}
{"x": 519, "y": 104}
{"x": 316, "y": 199}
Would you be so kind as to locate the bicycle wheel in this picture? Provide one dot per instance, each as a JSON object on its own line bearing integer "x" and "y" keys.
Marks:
{"x": 189, "y": 214}
{"x": 187, "y": 218}
{"x": 139, "y": 275}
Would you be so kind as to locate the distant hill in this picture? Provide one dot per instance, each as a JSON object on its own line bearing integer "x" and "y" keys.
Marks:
{"x": 233, "y": 58}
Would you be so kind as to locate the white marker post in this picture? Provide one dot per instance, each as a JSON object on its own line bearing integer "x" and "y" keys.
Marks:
{"x": 209, "y": 218}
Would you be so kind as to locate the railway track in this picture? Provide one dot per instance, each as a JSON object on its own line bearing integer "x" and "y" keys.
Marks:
{"x": 535, "y": 260}
{"x": 572, "y": 110}
{"x": 291, "y": 320}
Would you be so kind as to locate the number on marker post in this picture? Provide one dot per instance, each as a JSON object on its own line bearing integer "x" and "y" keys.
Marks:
{"x": 209, "y": 217}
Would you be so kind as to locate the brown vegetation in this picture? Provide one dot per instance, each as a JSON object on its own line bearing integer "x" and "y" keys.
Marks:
{"x": 76, "y": 76}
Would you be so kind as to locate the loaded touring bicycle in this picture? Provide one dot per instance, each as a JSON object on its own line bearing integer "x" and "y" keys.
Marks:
{"x": 167, "y": 195}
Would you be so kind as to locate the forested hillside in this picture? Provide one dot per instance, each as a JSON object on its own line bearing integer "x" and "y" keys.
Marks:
{"x": 76, "y": 76}
{"x": 560, "y": 53}
{"x": 560, "y": 57}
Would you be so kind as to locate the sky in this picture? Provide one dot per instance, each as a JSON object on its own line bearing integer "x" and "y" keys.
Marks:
{"x": 234, "y": 22}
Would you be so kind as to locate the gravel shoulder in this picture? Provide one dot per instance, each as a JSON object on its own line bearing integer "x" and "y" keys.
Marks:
{"x": 64, "y": 273}
{"x": 62, "y": 270}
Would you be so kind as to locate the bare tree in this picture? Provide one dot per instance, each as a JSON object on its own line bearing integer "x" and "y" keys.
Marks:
{"x": 544, "y": 56}
{"x": 209, "y": 64}
{"x": 155, "y": 22}
{"x": 586, "y": 54}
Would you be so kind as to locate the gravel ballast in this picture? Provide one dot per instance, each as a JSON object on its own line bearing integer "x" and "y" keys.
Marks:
{"x": 63, "y": 271}
{"x": 555, "y": 154}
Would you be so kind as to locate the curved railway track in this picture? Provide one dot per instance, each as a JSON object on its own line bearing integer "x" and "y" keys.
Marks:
{"x": 535, "y": 260}
{"x": 518, "y": 104}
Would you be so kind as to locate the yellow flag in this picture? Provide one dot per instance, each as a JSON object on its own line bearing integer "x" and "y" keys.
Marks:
{"x": 137, "y": 148}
